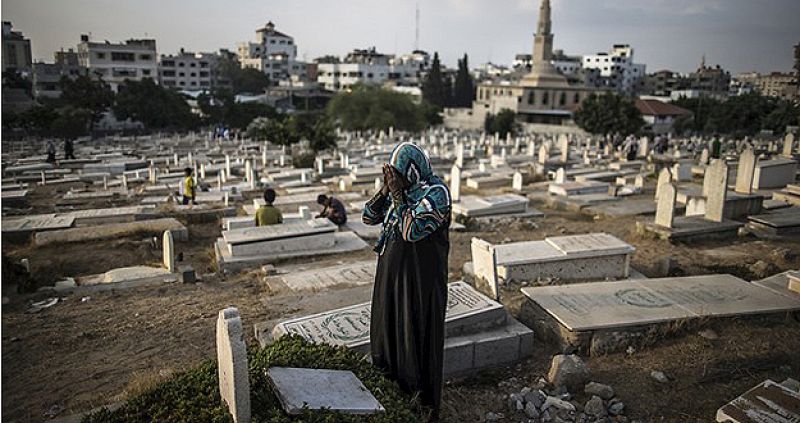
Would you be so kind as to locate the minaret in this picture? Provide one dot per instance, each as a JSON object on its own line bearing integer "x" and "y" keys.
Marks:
{"x": 543, "y": 73}
{"x": 543, "y": 39}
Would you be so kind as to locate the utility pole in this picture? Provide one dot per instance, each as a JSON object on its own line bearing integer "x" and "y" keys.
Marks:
{"x": 416, "y": 31}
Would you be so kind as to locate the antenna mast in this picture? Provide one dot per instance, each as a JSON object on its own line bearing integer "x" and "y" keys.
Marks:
{"x": 416, "y": 31}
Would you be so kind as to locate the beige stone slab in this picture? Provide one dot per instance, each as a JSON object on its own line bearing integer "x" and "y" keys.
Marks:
{"x": 720, "y": 295}
{"x": 783, "y": 283}
{"x": 353, "y": 274}
{"x": 526, "y": 252}
{"x": 593, "y": 244}
{"x": 602, "y": 305}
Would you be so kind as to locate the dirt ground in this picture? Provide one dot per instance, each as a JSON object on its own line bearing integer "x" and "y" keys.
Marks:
{"x": 96, "y": 349}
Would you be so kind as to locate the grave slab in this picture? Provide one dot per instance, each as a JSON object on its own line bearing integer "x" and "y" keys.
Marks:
{"x": 352, "y": 274}
{"x": 317, "y": 389}
{"x": 620, "y": 304}
{"x": 769, "y": 402}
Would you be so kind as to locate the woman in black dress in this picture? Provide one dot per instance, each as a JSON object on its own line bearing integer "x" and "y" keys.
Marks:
{"x": 410, "y": 293}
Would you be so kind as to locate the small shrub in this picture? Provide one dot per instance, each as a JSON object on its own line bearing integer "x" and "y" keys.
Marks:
{"x": 193, "y": 396}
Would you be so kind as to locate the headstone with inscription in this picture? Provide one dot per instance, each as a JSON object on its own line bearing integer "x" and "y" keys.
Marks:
{"x": 234, "y": 377}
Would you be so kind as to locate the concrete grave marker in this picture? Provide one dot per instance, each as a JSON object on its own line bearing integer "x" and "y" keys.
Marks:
{"x": 168, "y": 249}
{"x": 484, "y": 262}
{"x": 665, "y": 210}
{"x": 234, "y": 378}
{"x": 664, "y": 177}
{"x": 788, "y": 145}
{"x": 455, "y": 184}
{"x": 317, "y": 389}
{"x": 717, "y": 174}
{"x": 746, "y": 171}
{"x": 516, "y": 181}
{"x": 561, "y": 176}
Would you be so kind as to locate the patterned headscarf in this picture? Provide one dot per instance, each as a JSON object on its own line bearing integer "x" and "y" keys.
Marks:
{"x": 426, "y": 193}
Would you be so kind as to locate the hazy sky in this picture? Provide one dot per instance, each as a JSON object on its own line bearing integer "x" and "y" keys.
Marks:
{"x": 740, "y": 35}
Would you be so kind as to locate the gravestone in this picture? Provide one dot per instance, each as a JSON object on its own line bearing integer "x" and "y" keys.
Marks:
{"x": 746, "y": 171}
{"x": 561, "y": 176}
{"x": 455, "y": 184}
{"x": 665, "y": 211}
{"x": 664, "y": 177}
{"x": 317, "y": 389}
{"x": 704, "y": 157}
{"x": 234, "y": 378}
{"x": 460, "y": 155}
{"x": 717, "y": 175}
{"x": 168, "y": 249}
{"x": 516, "y": 182}
{"x": 484, "y": 262}
{"x": 543, "y": 154}
{"x": 769, "y": 402}
{"x": 358, "y": 273}
{"x": 788, "y": 145}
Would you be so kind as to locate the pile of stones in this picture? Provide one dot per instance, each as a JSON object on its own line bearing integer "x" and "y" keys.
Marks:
{"x": 552, "y": 400}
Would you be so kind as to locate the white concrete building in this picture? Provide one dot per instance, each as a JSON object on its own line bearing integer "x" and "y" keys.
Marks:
{"x": 116, "y": 62}
{"x": 372, "y": 68}
{"x": 616, "y": 69}
{"x": 274, "y": 53}
{"x": 189, "y": 71}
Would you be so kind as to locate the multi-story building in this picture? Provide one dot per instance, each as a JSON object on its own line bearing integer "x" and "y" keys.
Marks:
{"x": 710, "y": 81}
{"x": 274, "y": 54}
{"x": 116, "y": 62}
{"x": 16, "y": 50}
{"x": 617, "y": 70}
{"x": 47, "y": 76}
{"x": 188, "y": 71}
{"x": 775, "y": 84}
{"x": 370, "y": 67}
{"x": 664, "y": 82}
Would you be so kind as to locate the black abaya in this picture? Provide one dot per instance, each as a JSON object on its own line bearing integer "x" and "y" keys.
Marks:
{"x": 408, "y": 309}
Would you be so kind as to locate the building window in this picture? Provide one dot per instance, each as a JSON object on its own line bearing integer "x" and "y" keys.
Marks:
{"x": 120, "y": 56}
{"x": 203, "y": 64}
{"x": 146, "y": 72}
{"x": 563, "y": 100}
{"x": 181, "y": 64}
{"x": 545, "y": 97}
{"x": 193, "y": 64}
{"x": 193, "y": 74}
{"x": 532, "y": 98}
{"x": 145, "y": 57}
{"x": 204, "y": 74}
{"x": 168, "y": 73}
{"x": 168, "y": 63}
{"x": 577, "y": 98}
{"x": 101, "y": 55}
{"x": 181, "y": 74}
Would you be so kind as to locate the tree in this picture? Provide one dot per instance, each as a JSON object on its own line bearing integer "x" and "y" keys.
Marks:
{"x": 375, "y": 108}
{"x": 155, "y": 106}
{"x": 502, "y": 123}
{"x": 434, "y": 90}
{"x": 608, "y": 114}
{"x": 464, "y": 89}
{"x": 221, "y": 107}
{"x": 14, "y": 79}
{"x": 281, "y": 130}
{"x": 323, "y": 134}
{"x": 71, "y": 122}
{"x": 701, "y": 108}
{"x": 243, "y": 80}
{"x": 86, "y": 92}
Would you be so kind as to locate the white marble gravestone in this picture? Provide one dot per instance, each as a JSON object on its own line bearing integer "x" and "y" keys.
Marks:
{"x": 665, "y": 210}
{"x": 321, "y": 389}
{"x": 455, "y": 184}
{"x": 234, "y": 377}
{"x": 745, "y": 171}
{"x": 717, "y": 174}
{"x": 168, "y": 249}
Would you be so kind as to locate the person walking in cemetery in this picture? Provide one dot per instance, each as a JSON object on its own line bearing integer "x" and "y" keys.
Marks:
{"x": 410, "y": 293}
{"x": 333, "y": 209}
{"x": 189, "y": 187}
{"x": 69, "y": 150}
{"x": 268, "y": 214}
{"x": 51, "y": 152}
{"x": 631, "y": 148}
{"x": 716, "y": 147}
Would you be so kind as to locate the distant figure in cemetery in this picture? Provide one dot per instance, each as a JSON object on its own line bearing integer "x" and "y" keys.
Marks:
{"x": 51, "y": 151}
{"x": 189, "y": 187}
{"x": 268, "y": 214}
{"x": 661, "y": 145}
{"x": 410, "y": 293}
{"x": 631, "y": 148}
{"x": 69, "y": 150}
{"x": 333, "y": 209}
{"x": 716, "y": 148}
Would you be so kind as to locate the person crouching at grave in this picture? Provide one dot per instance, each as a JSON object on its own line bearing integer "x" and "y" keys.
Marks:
{"x": 410, "y": 293}
{"x": 189, "y": 187}
{"x": 51, "y": 151}
{"x": 268, "y": 214}
{"x": 332, "y": 208}
{"x": 69, "y": 150}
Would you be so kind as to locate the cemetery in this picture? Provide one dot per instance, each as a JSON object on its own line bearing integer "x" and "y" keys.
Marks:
{"x": 564, "y": 257}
